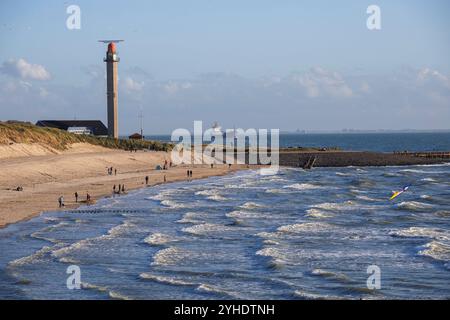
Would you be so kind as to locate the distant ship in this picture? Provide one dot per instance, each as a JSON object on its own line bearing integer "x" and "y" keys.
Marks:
{"x": 216, "y": 127}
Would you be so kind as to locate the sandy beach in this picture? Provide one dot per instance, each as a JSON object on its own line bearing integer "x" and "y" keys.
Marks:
{"x": 45, "y": 175}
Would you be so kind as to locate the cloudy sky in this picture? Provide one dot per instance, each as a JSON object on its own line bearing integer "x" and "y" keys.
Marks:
{"x": 310, "y": 65}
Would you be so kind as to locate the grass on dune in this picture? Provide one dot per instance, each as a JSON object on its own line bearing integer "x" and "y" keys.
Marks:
{"x": 22, "y": 132}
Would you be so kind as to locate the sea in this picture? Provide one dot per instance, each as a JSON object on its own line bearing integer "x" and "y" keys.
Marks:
{"x": 325, "y": 233}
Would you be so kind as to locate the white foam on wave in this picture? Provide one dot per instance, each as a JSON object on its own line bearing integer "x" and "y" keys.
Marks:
{"x": 434, "y": 233}
{"x": 428, "y": 179}
{"x": 166, "y": 280}
{"x": 278, "y": 256}
{"x": 251, "y": 205}
{"x": 216, "y": 289}
{"x": 316, "y": 213}
{"x": 112, "y": 233}
{"x": 314, "y": 296}
{"x": 159, "y": 239}
{"x": 211, "y": 194}
{"x": 305, "y": 227}
{"x": 302, "y": 186}
{"x": 238, "y": 214}
{"x": 102, "y": 289}
{"x": 162, "y": 195}
{"x": 330, "y": 274}
{"x": 333, "y": 205}
{"x": 342, "y": 174}
{"x": 436, "y": 250}
{"x": 38, "y": 256}
{"x": 193, "y": 217}
{"x": 207, "y": 228}
{"x": 170, "y": 256}
{"x": 414, "y": 205}
{"x": 173, "y": 205}
{"x": 421, "y": 171}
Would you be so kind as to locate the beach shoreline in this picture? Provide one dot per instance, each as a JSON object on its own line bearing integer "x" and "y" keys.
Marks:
{"x": 44, "y": 178}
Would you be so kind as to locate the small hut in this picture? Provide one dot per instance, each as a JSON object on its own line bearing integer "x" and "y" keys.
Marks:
{"x": 136, "y": 136}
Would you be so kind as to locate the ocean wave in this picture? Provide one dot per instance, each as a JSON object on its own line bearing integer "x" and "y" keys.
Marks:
{"x": 40, "y": 255}
{"x": 302, "y": 186}
{"x": 212, "y": 194}
{"x": 330, "y": 274}
{"x": 342, "y": 174}
{"x": 316, "y": 213}
{"x": 314, "y": 296}
{"x": 365, "y": 198}
{"x": 251, "y": 205}
{"x": 422, "y": 171}
{"x": 170, "y": 256}
{"x": 443, "y": 213}
{"x": 278, "y": 256}
{"x": 414, "y": 205}
{"x": 159, "y": 239}
{"x": 166, "y": 280}
{"x": 215, "y": 289}
{"x": 174, "y": 205}
{"x": 112, "y": 233}
{"x": 277, "y": 191}
{"x": 390, "y": 174}
{"x": 305, "y": 227}
{"x": 193, "y": 217}
{"x": 436, "y": 250}
{"x": 243, "y": 214}
{"x": 434, "y": 233}
{"x": 333, "y": 205}
{"x": 119, "y": 296}
{"x": 103, "y": 289}
{"x": 162, "y": 195}
{"x": 428, "y": 179}
{"x": 207, "y": 228}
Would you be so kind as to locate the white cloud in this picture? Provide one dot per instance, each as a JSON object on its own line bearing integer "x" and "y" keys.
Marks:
{"x": 320, "y": 82}
{"x": 133, "y": 85}
{"x": 172, "y": 87}
{"x": 24, "y": 70}
{"x": 427, "y": 76}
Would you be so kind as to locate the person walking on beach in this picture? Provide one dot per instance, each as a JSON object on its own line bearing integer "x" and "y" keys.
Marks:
{"x": 188, "y": 173}
{"x": 88, "y": 197}
{"x": 76, "y": 196}
{"x": 61, "y": 201}
{"x": 115, "y": 171}
{"x": 114, "y": 189}
{"x": 165, "y": 178}
{"x": 119, "y": 189}
{"x": 123, "y": 188}
{"x": 146, "y": 180}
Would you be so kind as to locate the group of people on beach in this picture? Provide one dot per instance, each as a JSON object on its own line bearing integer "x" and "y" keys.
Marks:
{"x": 61, "y": 199}
{"x": 167, "y": 165}
{"x": 119, "y": 190}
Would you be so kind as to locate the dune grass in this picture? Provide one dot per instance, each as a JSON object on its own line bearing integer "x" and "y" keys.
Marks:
{"x": 24, "y": 132}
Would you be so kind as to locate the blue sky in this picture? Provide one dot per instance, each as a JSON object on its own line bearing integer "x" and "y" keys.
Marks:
{"x": 272, "y": 64}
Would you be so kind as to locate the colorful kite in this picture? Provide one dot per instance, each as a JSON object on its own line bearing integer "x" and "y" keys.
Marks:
{"x": 395, "y": 194}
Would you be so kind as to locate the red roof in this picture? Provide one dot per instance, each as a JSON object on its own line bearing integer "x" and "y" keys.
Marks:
{"x": 112, "y": 47}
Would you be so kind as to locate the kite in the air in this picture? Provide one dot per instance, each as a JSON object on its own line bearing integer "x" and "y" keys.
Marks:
{"x": 395, "y": 194}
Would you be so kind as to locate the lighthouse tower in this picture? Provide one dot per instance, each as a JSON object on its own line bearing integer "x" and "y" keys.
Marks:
{"x": 111, "y": 92}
